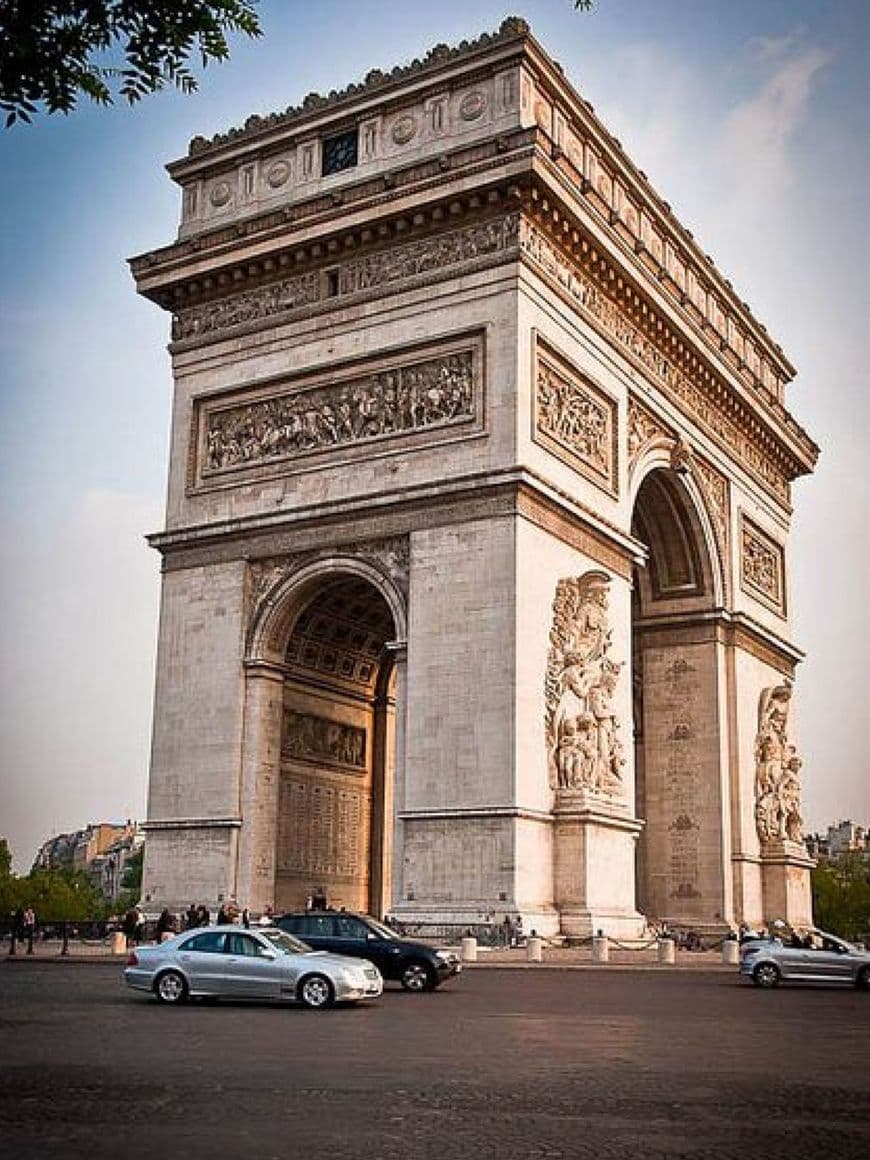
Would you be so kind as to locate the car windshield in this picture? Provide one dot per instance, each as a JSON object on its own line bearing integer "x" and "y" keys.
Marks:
{"x": 284, "y": 942}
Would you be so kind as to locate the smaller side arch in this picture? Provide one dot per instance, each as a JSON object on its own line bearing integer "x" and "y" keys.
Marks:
{"x": 275, "y": 615}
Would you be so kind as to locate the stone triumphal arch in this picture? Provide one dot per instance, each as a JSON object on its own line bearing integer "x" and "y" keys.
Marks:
{"x": 475, "y": 586}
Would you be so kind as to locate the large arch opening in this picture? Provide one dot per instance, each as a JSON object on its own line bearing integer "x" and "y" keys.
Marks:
{"x": 678, "y": 764}
{"x": 337, "y": 747}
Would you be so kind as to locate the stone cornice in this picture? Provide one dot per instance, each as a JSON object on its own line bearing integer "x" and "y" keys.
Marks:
{"x": 735, "y": 629}
{"x": 407, "y": 200}
{"x": 758, "y": 432}
{"x": 397, "y": 512}
{"x": 583, "y": 147}
{"x": 377, "y": 84}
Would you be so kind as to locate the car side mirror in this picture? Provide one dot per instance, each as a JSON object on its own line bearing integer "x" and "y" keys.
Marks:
{"x": 371, "y": 936}
{"x": 268, "y": 954}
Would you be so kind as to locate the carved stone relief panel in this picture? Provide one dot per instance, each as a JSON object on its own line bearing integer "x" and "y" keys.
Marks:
{"x": 777, "y": 769}
{"x": 643, "y": 429}
{"x": 574, "y": 419}
{"x": 584, "y": 749}
{"x": 306, "y": 737}
{"x": 406, "y": 396}
{"x": 762, "y": 566}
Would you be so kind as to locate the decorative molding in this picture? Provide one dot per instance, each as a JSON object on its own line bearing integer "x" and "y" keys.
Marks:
{"x": 407, "y": 394}
{"x": 762, "y": 566}
{"x": 427, "y": 260}
{"x": 616, "y": 325}
{"x": 644, "y": 428}
{"x": 582, "y": 734}
{"x": 777, "y": 768}
{"x": 512, "y": 28}
{"x": 574, "y": 419}
{"x": 266, "y": 576}
{"x": 306, "y": 737}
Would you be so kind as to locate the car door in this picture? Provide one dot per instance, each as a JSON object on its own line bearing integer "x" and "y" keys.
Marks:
{"x": 204, "y": 960}
{"x": 351, "y": 937}
{"x": 253, "y": 971}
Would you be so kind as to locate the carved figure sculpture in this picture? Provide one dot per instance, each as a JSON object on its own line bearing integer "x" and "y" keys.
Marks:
{"x": 777, "y": 768}
{"x": 584, "y": 751}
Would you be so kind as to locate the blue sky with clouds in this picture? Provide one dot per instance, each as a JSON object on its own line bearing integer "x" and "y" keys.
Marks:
{"x": 749, "y": 117}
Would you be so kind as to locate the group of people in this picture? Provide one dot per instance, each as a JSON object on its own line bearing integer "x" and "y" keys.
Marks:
{"x": 23, "y": 929}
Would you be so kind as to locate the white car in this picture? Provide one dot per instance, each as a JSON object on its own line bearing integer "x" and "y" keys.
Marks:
{"x": 234, "y": 963}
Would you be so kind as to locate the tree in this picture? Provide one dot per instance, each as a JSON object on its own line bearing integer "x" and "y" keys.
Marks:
{"x": 5, "y": 859}
{"x": 841, "y": 896}
{"x": 53, "y": 51}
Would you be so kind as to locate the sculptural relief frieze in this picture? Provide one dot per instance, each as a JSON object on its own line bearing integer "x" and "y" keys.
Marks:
{"x": 575, "y": 420}
{"x": 614, "y": 321}
{"x": 584, "y": 749}
{"x": 404, "y": 263}
{"x": 306, "y": 737}
{"x": 777, "y": 770}
{"x": 397, "y": 398}
{"x": 762, "y": 566}
{"x": 643, "y": 429}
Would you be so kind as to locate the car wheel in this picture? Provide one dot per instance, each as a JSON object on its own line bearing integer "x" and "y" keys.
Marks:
{"x": 171, "y": 987}
{"x": 765, "y": 975}
{"x": 316, "y": 992}
{"x": 418, "y": 976}
{"x": 863, "y": 980}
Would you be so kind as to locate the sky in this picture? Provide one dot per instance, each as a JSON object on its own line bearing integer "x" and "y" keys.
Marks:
{"x": 749, "y": 117}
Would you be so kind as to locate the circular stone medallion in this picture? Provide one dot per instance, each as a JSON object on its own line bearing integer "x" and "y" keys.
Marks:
{"x": 472, "y": 106}
{"x": 220, "y": 194}
{"x": 277, "y": 174}
{"x": 403, "y": 130}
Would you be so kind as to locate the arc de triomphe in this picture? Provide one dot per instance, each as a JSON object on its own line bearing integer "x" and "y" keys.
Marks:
{"x": 475, "y": 572}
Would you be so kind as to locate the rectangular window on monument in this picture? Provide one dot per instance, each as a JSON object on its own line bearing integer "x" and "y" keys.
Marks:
{"x": 340, "y": 152}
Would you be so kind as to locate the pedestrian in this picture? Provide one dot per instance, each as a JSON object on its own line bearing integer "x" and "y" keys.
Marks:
{"x": 165, "y": 925}
{"x": 17, "y": 933}
{"x": 192, "y": 916}
{"x": 130, "y": 926}
{"x": 246, "y": 918}
{"x": 223, "y": 915}
{"x": 203, "y": 918}
{"x": 518, "y": 930}
{"x": 507, "y": 931}
{"x": 29, "y": 927}
{"x": 318, "y": 899}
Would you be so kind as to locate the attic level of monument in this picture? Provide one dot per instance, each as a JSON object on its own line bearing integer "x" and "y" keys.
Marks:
{"x": 402, "y": 118}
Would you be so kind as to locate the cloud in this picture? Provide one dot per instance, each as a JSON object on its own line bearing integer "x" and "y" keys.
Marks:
{"x": 758, "y": 135}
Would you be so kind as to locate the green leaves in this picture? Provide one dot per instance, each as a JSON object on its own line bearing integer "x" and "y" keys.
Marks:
{"x": 52, "y": 53}
{"x": 841, "y": 896}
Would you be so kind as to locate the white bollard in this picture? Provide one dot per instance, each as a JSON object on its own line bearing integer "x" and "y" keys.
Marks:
{"x": 535, "y": 949}
{"x": 600, "y": 949}
{"x": 731, "y": 952}
{"x": 667, "y": 951}
{"x": 468, "y": 950}
{"x": 119, "y": 943}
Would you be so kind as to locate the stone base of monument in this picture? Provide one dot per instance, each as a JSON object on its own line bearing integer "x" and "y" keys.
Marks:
{"x": 785, "y": 875}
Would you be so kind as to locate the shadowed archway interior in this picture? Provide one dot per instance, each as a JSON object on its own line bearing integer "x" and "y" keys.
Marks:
{"x": 337, "y": 750}
{"x": 675, "y": 711}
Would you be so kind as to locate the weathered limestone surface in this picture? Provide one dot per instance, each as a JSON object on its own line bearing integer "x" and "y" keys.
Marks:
{"x": 476, "y": 584}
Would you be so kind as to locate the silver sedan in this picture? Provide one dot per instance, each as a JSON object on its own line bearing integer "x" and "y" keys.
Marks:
{"x": 262, "y": 963}
{"x": 813, "y": 957}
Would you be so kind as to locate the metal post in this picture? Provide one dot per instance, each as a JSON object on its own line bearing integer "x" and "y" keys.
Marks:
{"x": 64, "y": 950}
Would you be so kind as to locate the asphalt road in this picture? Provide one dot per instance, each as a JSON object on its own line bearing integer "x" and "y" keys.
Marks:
{"x": 499, "y": 1063}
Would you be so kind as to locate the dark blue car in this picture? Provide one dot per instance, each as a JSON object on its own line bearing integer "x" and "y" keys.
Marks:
{"x": 416, "y": 966}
